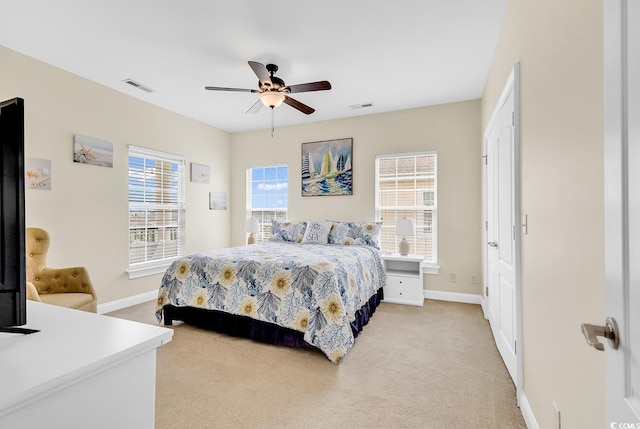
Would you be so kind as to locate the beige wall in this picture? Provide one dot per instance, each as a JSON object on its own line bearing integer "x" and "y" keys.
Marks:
{"x": 451, "y": 129}
{"x": 86, "y": 210}
{"x": 559, "y": 47}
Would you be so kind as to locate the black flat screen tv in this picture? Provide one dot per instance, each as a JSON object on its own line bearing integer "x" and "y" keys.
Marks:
{"x": 12, "y": 224}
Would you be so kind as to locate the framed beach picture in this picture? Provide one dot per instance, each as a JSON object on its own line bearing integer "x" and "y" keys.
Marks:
{"x": 87, "y": 150}
{"x": 326, "y": 168}
{"x": 199, "y": 173}
{"x": 217, "y": 201}
{"x": 37, "y": 173}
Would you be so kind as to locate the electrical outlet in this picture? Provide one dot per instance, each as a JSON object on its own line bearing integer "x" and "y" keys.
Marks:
{"x": 474, "y": 279}
{"x": 556, "y": 416}
{"x": 452, "y": 277}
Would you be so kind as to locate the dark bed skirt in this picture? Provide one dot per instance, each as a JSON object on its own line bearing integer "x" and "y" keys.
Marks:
{"x": 242, "y": 326}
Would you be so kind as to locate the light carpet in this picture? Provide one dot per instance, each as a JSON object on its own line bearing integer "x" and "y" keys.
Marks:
{"x": 435, "y": 366}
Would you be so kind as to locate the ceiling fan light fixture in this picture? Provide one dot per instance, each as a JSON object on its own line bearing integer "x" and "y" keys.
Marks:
{"x": 271, "y": 98}
{"x": 273, "y": 91}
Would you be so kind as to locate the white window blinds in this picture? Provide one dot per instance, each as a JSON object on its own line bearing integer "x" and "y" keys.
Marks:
{"x": 156, "y": 206}
{"x": 406, "y": 187}
{"x": 267, "y": 197}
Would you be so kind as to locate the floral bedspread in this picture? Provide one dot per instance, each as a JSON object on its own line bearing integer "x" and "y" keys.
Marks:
{"x": 315, "y": 289}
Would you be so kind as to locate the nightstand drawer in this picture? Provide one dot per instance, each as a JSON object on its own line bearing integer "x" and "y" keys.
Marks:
{"x": 404, "y": 290}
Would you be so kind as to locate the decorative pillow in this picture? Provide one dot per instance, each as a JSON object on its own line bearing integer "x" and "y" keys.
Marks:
{"x": 355, "y": 233}
{"x": 288, "y": 231}
{"x": 317, "y": 232}
{"x": 338, "y": 232}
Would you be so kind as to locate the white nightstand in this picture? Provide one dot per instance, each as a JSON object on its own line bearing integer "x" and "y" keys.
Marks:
{"x": 404, "y": 279}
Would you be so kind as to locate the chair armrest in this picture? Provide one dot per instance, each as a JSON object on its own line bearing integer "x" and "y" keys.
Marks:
{"x": 32, "y": 293}
{"x": 61, "y": 280}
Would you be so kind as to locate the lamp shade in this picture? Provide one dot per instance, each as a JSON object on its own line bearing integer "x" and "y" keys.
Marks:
{"x": 404, "y": 227}
{"x": 271, "y": 98}
{"x": 251, "y": 225}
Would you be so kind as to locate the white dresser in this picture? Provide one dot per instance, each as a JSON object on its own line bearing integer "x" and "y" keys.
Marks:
{"x": 82, "y": 370}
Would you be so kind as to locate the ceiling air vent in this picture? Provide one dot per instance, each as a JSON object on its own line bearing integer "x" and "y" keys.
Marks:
{"x": 138, "y": 85}
{"x": 360, "y": 106}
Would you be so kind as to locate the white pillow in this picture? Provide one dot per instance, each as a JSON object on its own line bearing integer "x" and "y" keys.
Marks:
{"x": 317, "y": 232}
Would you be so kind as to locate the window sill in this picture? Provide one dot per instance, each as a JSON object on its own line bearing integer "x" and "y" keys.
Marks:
{"x": 430, "y": 268}
{"x": 149, "y": 268}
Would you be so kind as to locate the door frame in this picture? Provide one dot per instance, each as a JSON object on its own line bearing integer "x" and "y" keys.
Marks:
{"x": 619, "y": 137}
{"x": 512, "y": 85}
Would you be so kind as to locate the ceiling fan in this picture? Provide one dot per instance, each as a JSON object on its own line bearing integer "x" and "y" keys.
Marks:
{"x": 273, "y": 91}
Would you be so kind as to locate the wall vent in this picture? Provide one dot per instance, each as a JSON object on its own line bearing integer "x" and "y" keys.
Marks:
{"x": 360, "y": 106}
{"x": 138, "y": 85}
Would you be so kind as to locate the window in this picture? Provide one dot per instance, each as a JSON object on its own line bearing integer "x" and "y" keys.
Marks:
{"x": 406, "y": 187}
{"x": 156, "y": 210}
{"x": 267, "y": 197}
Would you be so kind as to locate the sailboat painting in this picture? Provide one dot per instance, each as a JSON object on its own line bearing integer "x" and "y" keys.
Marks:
{"x": 326, "y": 168}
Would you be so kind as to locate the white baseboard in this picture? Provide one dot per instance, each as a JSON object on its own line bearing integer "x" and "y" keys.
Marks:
{"x": 118, "y": 304}
{"x": 467, "y": 298}
{"x": 527, "y": 412}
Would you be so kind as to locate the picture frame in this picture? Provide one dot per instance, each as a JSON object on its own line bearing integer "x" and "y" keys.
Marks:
{"x": 217, "y": 201}
{"x": 326, "y": 168}
{"x": 200, "y": 173}
{"x": 91, "y": 151}
{"x": 37, "y": 173}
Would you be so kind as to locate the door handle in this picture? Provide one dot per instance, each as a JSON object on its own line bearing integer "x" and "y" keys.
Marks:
{"x": 493, "y": 244}
{"x": 609, "y": 331}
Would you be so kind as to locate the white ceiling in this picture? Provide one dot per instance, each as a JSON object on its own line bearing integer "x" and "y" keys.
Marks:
{"x": 396, "y": 55}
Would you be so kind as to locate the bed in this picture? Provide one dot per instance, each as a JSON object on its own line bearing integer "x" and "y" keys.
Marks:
{"x": 282, "y": 292}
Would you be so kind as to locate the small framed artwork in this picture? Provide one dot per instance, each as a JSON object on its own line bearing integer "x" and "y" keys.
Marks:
{"x": 217, "y": 201}
{"x": 37, "y": 173}
{"x": 326, "y": 168}
{"x": 87, "y": 150}
{"x": 199, "y": 173}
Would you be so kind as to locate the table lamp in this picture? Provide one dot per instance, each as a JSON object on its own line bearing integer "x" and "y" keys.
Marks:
{"x": 404, "y": 227}
{"x": 251, "y": 225}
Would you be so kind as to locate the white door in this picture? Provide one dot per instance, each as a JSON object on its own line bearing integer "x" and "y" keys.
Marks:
{"x": 622, "y": 208}
{"x": 500, "y": 294}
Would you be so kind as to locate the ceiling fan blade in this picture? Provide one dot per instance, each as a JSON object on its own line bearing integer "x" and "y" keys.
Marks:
{"x": 298, "y": 105}
{"x": 261, "y": 71}
{"x": 322, "y": 85}
{"x": 219, "y": 88}
{"x": 256, "y": 107}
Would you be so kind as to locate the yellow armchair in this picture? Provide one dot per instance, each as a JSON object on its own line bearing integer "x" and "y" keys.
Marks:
{"x": 66, "y": 287}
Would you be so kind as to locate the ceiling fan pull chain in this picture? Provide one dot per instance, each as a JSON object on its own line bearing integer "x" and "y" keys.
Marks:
{"x": 272, "y": 114}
